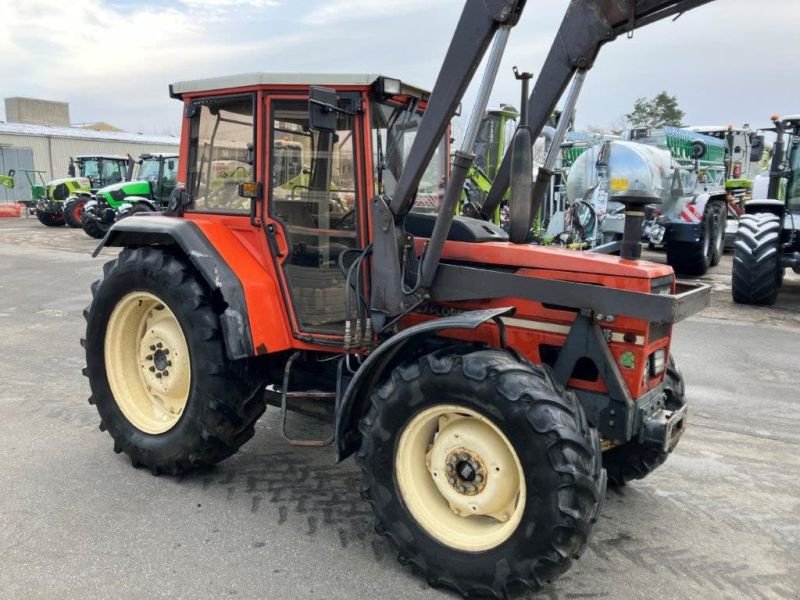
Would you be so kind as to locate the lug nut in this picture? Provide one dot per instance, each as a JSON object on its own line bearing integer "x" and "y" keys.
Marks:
{"x": 165, "y": 373}
{"x": 159, "y": 345}
{"x": 449, "y": 467}
{"x": 152, "y": 369}
{"x": 158, "y": 375}
{"x": 149, "y": 357}
{"x": 152, "y": 347}
{"x": 166, "y": 350}
{"x": 452, "y": 481}
{"x": 169, "y": 363}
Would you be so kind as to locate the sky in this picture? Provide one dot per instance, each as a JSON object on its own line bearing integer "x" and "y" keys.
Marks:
{"x": 732, "y": 61}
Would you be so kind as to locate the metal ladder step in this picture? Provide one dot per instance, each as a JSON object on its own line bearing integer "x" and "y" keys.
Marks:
{"x": 286, "y": 394}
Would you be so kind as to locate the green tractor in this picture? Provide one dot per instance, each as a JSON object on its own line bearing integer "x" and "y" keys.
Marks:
{"x": 768, "y": 238}
{"x": 148, "y": 192}
{"x": 490, "y": 146}
{"x": 62, "y": 200}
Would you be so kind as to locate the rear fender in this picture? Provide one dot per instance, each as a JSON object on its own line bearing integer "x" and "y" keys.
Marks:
{"x": 775, "y": 207}
{"x": 186, "y": 237}
{"x": 355, "y": 399}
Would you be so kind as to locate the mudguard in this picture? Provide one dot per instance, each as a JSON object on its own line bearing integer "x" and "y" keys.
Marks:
{"x": 220, "y": 278}
{"x": 682, "y": 221}
{"x": 353, "y": 401}
{"x": 130, "y": 201}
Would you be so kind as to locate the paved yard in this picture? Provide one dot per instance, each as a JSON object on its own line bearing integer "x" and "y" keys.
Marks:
{"x": 721, "y": 519}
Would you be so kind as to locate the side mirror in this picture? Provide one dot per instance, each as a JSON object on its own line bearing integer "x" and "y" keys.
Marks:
{"x": 757, "y": 147}
{"x": 171, "y": 165}
{"x": 251, "y": 154}
{"x": 322, "y": 109}
{"x": 71, "y": 168}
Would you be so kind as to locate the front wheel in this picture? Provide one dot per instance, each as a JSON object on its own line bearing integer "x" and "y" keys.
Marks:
{"x": 634, "y": 460}
{"x": 482, "y": 471}
{"x": 94, "y": 227}
{"x": 156, "y": 363}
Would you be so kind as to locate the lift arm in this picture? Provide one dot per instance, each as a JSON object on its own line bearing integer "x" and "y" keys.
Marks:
{"x": 587, "y": 25}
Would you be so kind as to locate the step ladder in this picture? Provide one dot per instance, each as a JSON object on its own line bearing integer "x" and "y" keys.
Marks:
{"x": 316, "y": 394}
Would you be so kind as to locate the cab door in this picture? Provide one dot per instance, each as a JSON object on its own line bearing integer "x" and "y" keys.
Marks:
{"x": 315, "y": 194}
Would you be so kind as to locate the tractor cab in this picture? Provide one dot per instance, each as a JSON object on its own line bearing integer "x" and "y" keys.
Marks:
{"x": 101, "y": 170}
{"x": 161, "y": 172}
{"x": 312, "y": 185}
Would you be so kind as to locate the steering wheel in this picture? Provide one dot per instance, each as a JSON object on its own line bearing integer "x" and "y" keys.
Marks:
{"x": 341, "y": 220}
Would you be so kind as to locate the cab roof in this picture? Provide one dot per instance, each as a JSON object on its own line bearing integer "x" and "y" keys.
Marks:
{"x": 199, "y": 86}
{"x": 105, "y": 156}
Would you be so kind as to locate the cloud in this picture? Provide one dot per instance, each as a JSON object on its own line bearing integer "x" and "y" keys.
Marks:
{"x": 337, "y": 11}
{"x": 230, "y": 3}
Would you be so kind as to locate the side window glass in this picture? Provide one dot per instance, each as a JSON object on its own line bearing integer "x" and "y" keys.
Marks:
{"x": 221, "y": 154}
{"x": 112, "y": 172}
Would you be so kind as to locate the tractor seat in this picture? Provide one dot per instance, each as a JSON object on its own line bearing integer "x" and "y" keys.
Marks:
{"x": 463, "y": 229}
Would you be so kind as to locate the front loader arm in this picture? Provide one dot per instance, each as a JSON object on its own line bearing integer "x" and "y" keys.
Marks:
{"x": 476, "y": 28}
{"x": 587, "y": 25}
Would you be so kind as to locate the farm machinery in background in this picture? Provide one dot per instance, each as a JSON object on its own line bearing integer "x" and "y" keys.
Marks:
{"x": 62, "y": 200}
{"x": 768, "y": 239}
{"x": 683, "y": 169}
{"x": 494, "y": 134}
{"x": 148, "y": 191}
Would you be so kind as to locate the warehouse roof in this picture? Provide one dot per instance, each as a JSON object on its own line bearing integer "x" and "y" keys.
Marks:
{"x": 86, "y": 134}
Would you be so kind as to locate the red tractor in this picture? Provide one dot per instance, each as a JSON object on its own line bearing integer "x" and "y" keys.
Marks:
{"x": 487, "y": 388}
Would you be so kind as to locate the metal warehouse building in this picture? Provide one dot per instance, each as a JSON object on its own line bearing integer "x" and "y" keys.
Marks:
{"x": 48, "y": 149}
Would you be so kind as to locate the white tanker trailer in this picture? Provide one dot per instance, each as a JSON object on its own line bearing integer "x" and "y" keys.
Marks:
{"x": 685, "y": 169}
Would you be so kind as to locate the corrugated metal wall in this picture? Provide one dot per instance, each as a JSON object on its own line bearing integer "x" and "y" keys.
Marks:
{"x": 16, "y": 159}
{"x": 51, "y": 154}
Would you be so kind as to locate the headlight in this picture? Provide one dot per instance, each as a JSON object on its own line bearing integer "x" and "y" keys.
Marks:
{"x": 658, "y": 362}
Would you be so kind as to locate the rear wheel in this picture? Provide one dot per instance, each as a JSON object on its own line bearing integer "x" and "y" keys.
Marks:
{"x": 757, "y": 273}
{"x": 157, "y": 368}
{"x": 634, "y": 460}
{"x": 73, "y": 212}
{"x": 695, "y": 258}
{"x": 482, "y": 471}
{"x": 50, "y": 219}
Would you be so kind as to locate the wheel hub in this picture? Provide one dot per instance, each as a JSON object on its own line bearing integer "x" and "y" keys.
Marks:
{"x": 473, "y": 468}
{"x": 466, "y": 472}
{"x": 143, "y": 332}
{"x": 460, "y": 477}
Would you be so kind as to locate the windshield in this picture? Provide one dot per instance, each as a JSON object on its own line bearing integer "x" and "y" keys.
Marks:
{"x": 394, "y": 127}
{"x": 148, "y": 170}
{"x": 89, "y": 168}
{"x": 793, "y": 192}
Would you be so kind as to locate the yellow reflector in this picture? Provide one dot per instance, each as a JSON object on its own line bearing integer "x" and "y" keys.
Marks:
{"x": 618, "y": 184}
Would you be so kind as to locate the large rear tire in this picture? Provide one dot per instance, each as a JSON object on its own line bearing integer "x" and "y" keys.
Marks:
{"x": 160, "y": 379}
{"x": 73, "y": 212}
{"x": 50, "y": 219}
{"x": 634, "y": 460}
{"x": 481, "y": 470}
{"x": 757, "y": 273}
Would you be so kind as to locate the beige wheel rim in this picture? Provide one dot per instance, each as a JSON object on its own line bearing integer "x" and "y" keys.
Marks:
{"x": 460, "y": 478}
{"x": 147, "y": 362}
